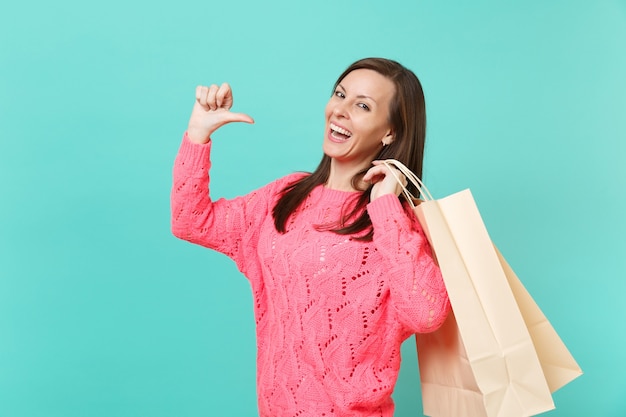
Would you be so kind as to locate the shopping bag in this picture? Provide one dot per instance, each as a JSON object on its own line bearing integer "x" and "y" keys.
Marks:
{"x": 448, "y": 384}
{"x": 483, "y": 362}
{"x": 558, "y": 364}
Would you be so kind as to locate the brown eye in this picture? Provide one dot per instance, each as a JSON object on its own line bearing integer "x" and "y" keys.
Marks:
{"x": 364, "y": 106}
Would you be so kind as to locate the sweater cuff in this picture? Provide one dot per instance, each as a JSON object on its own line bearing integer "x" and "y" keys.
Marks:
{"x": 195, "y": 157}
{"x": 384, "y": 207}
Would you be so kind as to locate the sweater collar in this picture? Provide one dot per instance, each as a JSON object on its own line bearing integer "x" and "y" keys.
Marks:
{"x": 330, "y": 194}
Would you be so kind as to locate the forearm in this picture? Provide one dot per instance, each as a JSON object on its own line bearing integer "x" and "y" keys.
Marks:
{"x": 190, "y": 200}
{"x": 418, "y": 293}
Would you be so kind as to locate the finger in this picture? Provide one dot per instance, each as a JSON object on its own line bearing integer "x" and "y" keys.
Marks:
{"x": 239, "y": 117}
{"x": 396, "y": 177}
{"x": 201, "y": 93}
{"x": 224, "y": 97}
{"x": 382, "y": 172}
{"x": 375, "y": 170}
{"x": 210, "y": 100}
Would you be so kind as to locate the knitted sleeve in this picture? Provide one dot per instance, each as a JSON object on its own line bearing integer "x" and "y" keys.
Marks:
{"x": 227, "y": 226}
{"x": 417, "y": 290}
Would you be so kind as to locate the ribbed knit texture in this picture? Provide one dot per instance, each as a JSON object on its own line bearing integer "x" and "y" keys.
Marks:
{"x": 331, "y": 312}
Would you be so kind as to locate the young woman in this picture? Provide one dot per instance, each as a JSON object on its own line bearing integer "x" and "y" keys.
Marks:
{"x": 340, "y": 270}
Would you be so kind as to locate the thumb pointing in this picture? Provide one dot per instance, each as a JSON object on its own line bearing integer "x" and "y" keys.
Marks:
{"x": 239, "y": 117}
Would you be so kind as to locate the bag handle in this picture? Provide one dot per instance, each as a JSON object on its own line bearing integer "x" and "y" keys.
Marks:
{"x": 411, "y": 177}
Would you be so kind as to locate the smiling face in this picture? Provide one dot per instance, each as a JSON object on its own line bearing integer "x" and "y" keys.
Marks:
{"x": 357, "y": 118}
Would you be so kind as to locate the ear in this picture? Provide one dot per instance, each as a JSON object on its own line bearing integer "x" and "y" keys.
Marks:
{"x": 388, "y": 138}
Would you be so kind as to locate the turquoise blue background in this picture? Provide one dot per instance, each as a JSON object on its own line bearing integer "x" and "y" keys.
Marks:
{"x": 104, "y": 313}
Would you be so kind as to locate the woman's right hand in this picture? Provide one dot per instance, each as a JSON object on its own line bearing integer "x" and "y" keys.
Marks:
{"x": 212, "y": 111}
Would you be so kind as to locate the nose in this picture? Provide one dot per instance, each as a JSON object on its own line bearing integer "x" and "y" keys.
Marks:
{"x": 340, "y": 109}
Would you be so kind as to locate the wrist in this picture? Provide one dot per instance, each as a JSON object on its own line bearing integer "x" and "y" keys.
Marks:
{"x": 198, "y": 136}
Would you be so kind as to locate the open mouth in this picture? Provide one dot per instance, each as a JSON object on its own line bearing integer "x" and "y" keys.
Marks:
{"x": 339, "y": 133}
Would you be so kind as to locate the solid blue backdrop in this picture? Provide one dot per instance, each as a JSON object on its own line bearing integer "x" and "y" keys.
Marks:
{"x": 104, "y": 313}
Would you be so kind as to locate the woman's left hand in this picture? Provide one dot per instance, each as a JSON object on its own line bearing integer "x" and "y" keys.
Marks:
{"x": 384, "y": 181}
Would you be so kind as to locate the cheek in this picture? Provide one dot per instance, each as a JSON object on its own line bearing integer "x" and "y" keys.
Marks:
{"x": 380, "y": 126}
{"x": 328, "y": 110}
{"x": 371, "y": 129}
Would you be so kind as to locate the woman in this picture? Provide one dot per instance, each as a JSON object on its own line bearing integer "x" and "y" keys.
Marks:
{"x": 340, "y": 270}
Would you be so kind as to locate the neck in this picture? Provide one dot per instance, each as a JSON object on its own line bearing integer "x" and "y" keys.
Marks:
{"x": 340, "y": 177}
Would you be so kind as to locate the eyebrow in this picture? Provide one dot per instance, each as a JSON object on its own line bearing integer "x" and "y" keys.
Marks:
{"x": 359, "y": 96}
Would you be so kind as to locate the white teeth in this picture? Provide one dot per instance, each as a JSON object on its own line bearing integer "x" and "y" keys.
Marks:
{"x": 340, "y": 130}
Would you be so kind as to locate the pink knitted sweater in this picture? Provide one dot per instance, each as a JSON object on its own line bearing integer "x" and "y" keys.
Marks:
{"x": 331, "y": 312}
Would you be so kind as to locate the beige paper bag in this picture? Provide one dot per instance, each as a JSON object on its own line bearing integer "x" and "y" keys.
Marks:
{"x": 483, "y": 361}
{"x": 448, "y": 384}
{"x": 559, "y": 366}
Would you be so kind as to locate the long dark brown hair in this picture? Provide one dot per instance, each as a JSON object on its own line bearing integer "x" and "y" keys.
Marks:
{"x": 407, "y": 117}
